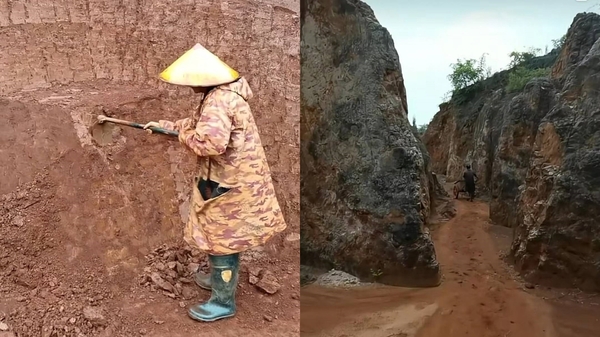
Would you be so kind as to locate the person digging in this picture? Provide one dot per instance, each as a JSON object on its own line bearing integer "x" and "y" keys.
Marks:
{"x": 233, "y": 205}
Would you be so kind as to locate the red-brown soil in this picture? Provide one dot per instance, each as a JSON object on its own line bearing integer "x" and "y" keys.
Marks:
{"x": 480, "y": 295}
{"x": 87, "y": 214}
{"x": 80, "y": 221}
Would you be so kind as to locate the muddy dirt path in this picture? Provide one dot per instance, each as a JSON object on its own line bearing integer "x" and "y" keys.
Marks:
{"x": 479, "y": 296}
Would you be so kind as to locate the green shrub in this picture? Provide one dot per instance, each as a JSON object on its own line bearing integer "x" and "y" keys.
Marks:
{"x": 518, "y": 58}
{"x": 520, "y": 76}
{"x": 468, "y": 72}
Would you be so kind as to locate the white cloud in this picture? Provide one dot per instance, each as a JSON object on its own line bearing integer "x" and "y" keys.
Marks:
{"x": 476, "y": 34}
{"x": 468, "y": 37}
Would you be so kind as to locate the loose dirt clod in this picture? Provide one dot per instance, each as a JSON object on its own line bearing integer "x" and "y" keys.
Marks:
{"x": 161, "y": 283}
{"x": 166, "y": 272}
{"x": 268, "y": 283}
{"x": 94, "y": 315}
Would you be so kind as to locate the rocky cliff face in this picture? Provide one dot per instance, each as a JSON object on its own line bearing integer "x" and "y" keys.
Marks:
{"x": 538, "y": 156}
{"x": 365, "y": 179}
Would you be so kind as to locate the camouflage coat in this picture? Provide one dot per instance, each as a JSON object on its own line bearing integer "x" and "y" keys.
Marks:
{"x": 224, "y": 136}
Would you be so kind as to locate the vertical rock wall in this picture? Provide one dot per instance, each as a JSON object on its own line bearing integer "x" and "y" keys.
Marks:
{"x": 366, "y": 187}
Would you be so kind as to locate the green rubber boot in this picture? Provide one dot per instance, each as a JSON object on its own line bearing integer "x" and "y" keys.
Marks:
{"x": 203, "y": 280}
{"x": 224, "y": 280}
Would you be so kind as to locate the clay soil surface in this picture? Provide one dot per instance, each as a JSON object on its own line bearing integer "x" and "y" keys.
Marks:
{"x": 90, "y": 227}
{"x": 480, "y": 296}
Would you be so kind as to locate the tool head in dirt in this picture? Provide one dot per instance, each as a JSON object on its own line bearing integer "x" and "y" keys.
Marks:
{"x": 198, "y": 67}
{"x": 103, "y": 133}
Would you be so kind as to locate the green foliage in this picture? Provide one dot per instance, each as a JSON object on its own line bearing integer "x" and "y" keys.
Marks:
{"x": 376, "y": 273}
{"x": 422, "y": 128}
{"x": 518, "y": 58}
{"x": 520, "y": 76}
{"x": 447, "y": 96}
{"x": 467, "y": 72}
{"x": 470, "y": 77}
{"x": 559, "y": 43}
{"x": 414, "y": 124}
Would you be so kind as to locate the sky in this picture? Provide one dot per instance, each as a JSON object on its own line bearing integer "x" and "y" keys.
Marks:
{"x": 429, "y": 35}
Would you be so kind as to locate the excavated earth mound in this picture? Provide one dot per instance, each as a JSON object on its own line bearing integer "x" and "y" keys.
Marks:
{"x": 91, "y": 217}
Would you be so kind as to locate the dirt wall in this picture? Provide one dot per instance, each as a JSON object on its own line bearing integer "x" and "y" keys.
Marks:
{"x": 98, "y": 206}
{"x": 50, "y": 43}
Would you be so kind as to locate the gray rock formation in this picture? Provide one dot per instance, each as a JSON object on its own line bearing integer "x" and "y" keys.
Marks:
{"x": 365, "y": 180}
{"x": 537, "y": 153}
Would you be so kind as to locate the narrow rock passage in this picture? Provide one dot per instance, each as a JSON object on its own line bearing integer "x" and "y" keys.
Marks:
{"x": 479, "y": 296}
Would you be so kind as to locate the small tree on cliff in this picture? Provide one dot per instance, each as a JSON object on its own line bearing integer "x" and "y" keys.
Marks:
{"x": 467, "y": 72}
{"x": 520, "y": 74}
{"x": 518, "y": 58}
{"x": 447, "y": 96}
{"x": 559, "y": 43}
{"x": 414, "y": 124}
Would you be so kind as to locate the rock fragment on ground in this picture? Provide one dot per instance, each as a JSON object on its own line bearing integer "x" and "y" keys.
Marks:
{"x": 253, "y": 275}
{"x": 337, "y": 278}
{"x": 94, "y": 315}
{"x": 161, "y": 283}
{"x": 172, "y": 270}
{"x": 268, "y": 282}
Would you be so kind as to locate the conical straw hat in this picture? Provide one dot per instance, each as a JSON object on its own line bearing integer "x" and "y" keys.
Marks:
{"x": 198, "y": 67}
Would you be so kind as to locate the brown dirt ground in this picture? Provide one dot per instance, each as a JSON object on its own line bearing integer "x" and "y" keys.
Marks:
{"x": 81, "y": 222}
{"x": 480, "y": 296}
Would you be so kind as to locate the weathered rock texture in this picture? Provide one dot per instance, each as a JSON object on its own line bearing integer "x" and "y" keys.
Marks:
{"x": 537, "y": 153}
{"x": 366, "y": 185}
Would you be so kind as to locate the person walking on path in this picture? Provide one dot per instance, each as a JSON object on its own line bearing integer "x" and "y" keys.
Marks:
{"x": 470, "y": 177}
{"x": 233, "y": 204}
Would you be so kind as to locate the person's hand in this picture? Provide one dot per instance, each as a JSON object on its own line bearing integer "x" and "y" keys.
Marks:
{"x": 150, "y": 125}
{"x": 184, "y": 124}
